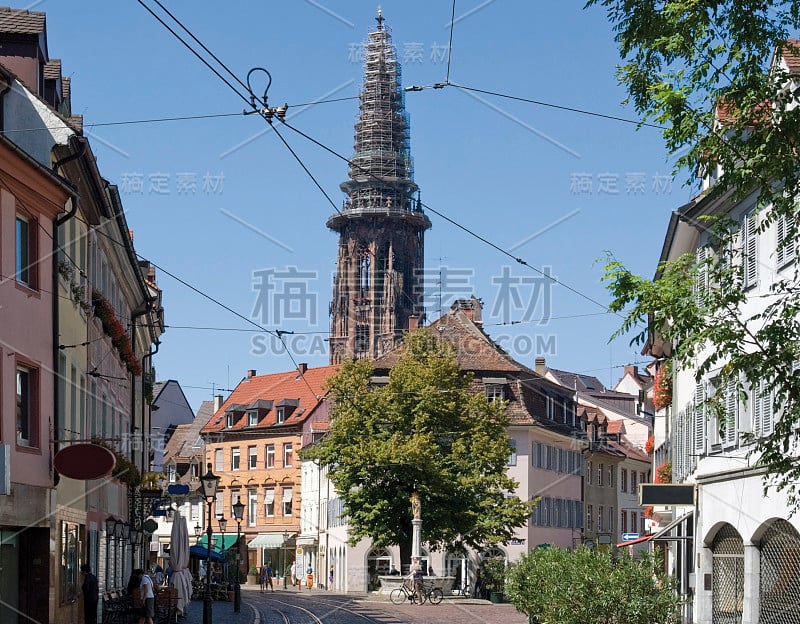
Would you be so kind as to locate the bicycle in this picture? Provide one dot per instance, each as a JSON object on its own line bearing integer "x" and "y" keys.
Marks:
{"x": 402, "y": 594}
{"x": 429, "y": 592}
{"x": 465, "y": 591}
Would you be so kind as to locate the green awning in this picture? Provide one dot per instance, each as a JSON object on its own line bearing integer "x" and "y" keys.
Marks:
{"x": 222, "y": 542}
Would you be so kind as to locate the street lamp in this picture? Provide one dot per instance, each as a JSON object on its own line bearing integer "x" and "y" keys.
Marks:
{"x": 238, "y": 512}
{"x": 118, "y": 528}
{"x": 111, "y": 522}
{"x": 209, "y": 482}
{"x": 197, "y": 530}
{"x": 222, "y": 524}
{"x": 283, "y": 551}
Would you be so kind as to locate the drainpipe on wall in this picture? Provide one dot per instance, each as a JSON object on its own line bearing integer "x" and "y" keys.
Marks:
{"x": 80, "y": 147}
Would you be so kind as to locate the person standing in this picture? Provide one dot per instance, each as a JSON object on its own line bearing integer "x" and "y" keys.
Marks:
{"x": 270, "y": 574}
{"x": 262, "y": 577}
{"x": 91, "y": 595}
{"x": 148, "y": 598}
{"x": 330, "y": 579}
{"x": 415, "y": 575}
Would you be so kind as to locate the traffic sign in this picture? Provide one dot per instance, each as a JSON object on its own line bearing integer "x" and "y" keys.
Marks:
{"x": 628, "y": 537}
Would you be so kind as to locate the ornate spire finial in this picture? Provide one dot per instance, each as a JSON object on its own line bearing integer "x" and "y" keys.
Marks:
{"x": 379, "y": 19}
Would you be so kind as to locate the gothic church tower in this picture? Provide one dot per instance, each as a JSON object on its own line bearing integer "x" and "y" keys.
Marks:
{"x": 378, "y": 284}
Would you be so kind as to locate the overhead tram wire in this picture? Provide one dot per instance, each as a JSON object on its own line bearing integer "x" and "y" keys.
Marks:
{"x": 268, "y": 118}
{"x": 450, "y": 44}
{"x": 464, "y": 228}
{"x": 263, "y": 113}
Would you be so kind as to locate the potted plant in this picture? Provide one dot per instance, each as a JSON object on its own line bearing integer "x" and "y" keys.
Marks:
{"x": 493, "y": 575}
{"x": 252, "y": 576}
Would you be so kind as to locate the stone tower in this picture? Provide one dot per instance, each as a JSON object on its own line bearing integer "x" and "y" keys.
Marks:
{"x": 377, "y": 290}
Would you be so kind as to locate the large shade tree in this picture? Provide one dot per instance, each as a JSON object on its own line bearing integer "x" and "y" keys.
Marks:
{"x": 423, "y": 432}
{"x": 711, "y": 74}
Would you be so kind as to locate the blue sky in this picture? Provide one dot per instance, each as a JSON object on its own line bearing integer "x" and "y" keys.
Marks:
{"x": 219, "y": 202}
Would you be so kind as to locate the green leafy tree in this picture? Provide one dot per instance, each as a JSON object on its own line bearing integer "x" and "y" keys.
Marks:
{"x": 584, "y": 586}
{"x": 425, "y": 432}
{"x": 710, "y": 74}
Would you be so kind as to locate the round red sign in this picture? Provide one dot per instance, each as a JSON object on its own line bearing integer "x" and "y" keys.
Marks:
{"x": 84, "y": 461}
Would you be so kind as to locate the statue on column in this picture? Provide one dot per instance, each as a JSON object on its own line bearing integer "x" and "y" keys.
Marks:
{"x": 416, "y": 506}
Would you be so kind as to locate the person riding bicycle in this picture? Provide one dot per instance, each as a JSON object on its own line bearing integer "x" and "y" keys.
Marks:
{"x": 415, "y": 576}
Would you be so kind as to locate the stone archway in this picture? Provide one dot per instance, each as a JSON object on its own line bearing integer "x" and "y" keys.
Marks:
{"x": 779, "y": 587}
{"x": 727, "y": 596}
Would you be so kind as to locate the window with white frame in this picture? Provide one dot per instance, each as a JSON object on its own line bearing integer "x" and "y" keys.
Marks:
{"x": 280, "y": 414}
{"x": 270, "y": 455}
{"x": 495, "y": 392}
{"x": 702, "y": 258}
{"x": 269, "y": 502}
{"x": 512, "y": 458}
{"x": 600, "y": 469}
{"x": 195, "y": 511}
{"x": 235, "y": 458}
{"x": 287, "y": 501}
{"x": 26, "y": 262}
{"x": 589, "y": 518}
{"x": 219, "y": 504}
{"x": 172, "y": 473}
{"x": 785, "y": 249}
{"x": 252, "y": 507}
{"x": 611, "y": 476}
{"x": 699, "y": 415}
{"x": 287, "y": 454}
{"x": 252, "y": 418}
{"x": 252, "y": 457}
{"x": 219, "y": 460}
{"x": 27, "y": 407}
{"x": 634, "y": 476}
{"x": 235, "y": 498}
{"x": 762, "y": 410}
{"x": 750, "y": 250}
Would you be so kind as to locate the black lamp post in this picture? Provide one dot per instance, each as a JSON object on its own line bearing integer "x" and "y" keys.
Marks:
{"x": 238, "y": 512}
{"x": 111, "y": 521}
{"x": 197, "y": 530}
{"x": 118, "y": 528}
{"x": 223, "y": 523}
{"x": 209, "y": 483}
{"x": 285, "y": 537}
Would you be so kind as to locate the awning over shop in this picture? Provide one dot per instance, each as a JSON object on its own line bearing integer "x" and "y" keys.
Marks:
{"x": 664, "y": 534}
{"x": 267, "y": 540}
{"x": 201, "y": 552}
{"x": 306, "y": 540}
{"x": 221, "y": 542}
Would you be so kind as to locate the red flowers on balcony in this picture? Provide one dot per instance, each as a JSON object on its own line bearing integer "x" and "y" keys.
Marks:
{"x": 662, "y": 387}
{"x": 115, "y": 330}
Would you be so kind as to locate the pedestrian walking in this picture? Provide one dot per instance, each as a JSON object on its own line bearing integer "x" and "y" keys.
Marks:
{"x": 330, "y": 579}
{"x": 262, "y": 577}
{"x": 91, "y": 595}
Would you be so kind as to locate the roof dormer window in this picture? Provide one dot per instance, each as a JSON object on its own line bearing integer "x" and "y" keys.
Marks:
{"x": 280, "y": 414}
{"x": 229, "y": 420}
{"x": 252, "y": 418}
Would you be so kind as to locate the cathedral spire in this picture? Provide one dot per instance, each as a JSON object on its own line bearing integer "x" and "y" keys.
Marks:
{"x": 378, "y": 284}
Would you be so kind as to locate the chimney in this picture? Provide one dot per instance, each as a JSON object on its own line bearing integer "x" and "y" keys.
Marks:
{"x": 631, "y": 370}
{"x": 251, "y": 373}
{"x": 302, "y": 367}
{"x": 541, "y": 366}
{"x": 217, "y": 402}
{"x": 413, "y": 322}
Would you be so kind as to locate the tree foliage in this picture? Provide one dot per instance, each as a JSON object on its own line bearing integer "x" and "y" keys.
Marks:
{"x": 555, "y": 586}
{"x": 710, "y": 73}
{"x": 425, "y": 432}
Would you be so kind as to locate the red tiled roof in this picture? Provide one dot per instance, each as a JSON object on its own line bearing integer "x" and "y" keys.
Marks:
{"x": 52, "y": 69}
{"x": 276, "y": 387}
{"x": 616, "y": 426}
{"x": 21, "y": 22}
{"x": 475, "y": 350}
{"x": 791, "y": 55}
